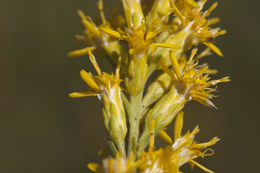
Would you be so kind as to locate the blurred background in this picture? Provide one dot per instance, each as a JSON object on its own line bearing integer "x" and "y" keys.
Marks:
{"x": 42, "y": 130}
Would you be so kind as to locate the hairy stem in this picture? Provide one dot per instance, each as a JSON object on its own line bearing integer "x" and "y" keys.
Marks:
{"x": 134, "y": 113}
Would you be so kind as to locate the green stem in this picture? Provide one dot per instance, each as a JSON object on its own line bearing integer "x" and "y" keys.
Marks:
{"x": 143, "y": 142}
{"x": 144, "y": 139}
{"x": 121, "y": 147}
{"x": 134, "y": 113}
{"x": 112, "y": 147}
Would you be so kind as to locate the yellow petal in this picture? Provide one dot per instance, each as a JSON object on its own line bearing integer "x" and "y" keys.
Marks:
{"x": 213, "y": 48}
{"x": 93, "y": 166}
{"x": 213, "y": 21}
{"x": 178, "y": 125}
{"x": 80, "y": 52}
{"x": 166, "y": 45}
{"x": 193, "y": 3}
{"x": 204, "y": 53}
{"x": 82, "y": 94}
{"x": 201, "y": 94}
{"x": 193, "y": 53}
{"x": 206, "y": 144}
{"x": 89, "y": 80}
{"x": 195, "y": 131}
{"x": 101, "y": 11}
{"x": 162, "y": 134}
{"x": 204, "y": 101}
{"x": 94, "y": 62}
{"x": 201, "y": 167}
{"x": 215, "y": 82}
{"x": 212, "y": 8}
{"x": 177, "y": 12}
{"x": 89, "y": 25}
{"x": 111, "y": 32}
{"x": 175, "y": 64}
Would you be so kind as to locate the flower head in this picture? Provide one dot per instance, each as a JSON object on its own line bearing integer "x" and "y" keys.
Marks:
{"x": 119, "y": 164}
{"x": 192, "y": 80}
{"x": 107, "y": 88}
{"x": 183, "y": 150}
{"x": 154, "y": 40}
{"x": 198, "y": 27}
{"x": 102, "y": 84}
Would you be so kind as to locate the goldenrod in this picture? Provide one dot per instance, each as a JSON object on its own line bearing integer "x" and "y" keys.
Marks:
{"x": 158, "y": 35}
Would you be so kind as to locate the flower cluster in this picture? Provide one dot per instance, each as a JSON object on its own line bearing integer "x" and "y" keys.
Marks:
{"x": 164, "y": 160}
{"x": 153, "y": 48}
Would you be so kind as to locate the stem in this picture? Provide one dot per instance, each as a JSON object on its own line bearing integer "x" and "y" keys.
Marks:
{"x": 134, "y": 121}
{"x": 121, "y": 147}
{"x": 143, "y": 142}
{"x": 112, "y": 147}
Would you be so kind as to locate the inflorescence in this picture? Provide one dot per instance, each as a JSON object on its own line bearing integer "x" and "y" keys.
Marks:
{"x": 155, "y": 40}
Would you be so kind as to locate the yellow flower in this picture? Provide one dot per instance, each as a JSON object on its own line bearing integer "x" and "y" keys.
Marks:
{"x": 170, "y": 159}
{"x": 102, "y": 84}
{"x": 183, "y": 150}
{"x": 107, "y": 87}
{"x": 189, "y": 28}
{"x": 93, "y": 35}
{"x": 192, "y": 80}
{"x": 133, "y": 12}
{"x": 154, "y": 40}
{"x": 119, "y": 164}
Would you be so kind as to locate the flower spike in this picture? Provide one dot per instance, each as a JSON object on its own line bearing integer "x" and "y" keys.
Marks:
{"x": 146, "y": 39}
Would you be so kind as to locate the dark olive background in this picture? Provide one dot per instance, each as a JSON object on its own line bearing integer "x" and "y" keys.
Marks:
{"x": 44, "y": 131}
